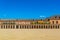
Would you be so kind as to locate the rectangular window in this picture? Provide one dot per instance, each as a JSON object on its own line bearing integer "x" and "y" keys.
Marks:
{"x": 53, "y": 22}
{"x": 56, "y": 22}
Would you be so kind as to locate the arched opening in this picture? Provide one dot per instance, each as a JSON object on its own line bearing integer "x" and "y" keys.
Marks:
{"x": 48, "y": 26}
{"x": 25, "y": 26}
{"x": 58, "y": 26}
{"x": 17, "y": 26}
{"x": 53, "y": 27}
{"x": 44, "y": 26}
{"x": 13, "y": 26}
{"x": 1, "y": 27}
{"x": 32, "y": 26}
{"x": 8, "y": 26}
{"x": 4, "y": 26}
{"x": 39, "y": 26}
{"x": 20, "y": 26}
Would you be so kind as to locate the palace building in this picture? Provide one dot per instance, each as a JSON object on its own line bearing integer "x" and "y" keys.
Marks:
{"x": 52, "y": 22}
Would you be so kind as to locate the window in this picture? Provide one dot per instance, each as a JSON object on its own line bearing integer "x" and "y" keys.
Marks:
{"x": 56, "y": 22}
{"x": 55, "y": 16}
{"x": 9, "y": 23}
{"x": 59, "y": 17}
{"x": 53, "y": 22}
{"x": 48, "y": 19}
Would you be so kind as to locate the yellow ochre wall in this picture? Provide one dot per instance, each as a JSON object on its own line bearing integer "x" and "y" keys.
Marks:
{"x": 51, "y": 21}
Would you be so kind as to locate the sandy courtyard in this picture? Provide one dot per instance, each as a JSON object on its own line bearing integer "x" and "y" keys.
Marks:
{"x": 29, "y": 34}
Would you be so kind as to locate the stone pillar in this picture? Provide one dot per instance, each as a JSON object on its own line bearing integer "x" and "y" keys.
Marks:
{"x": 45, "y": 26}
{"x": 19, "y": 26}
{"x": 33, "y": 27}
{"x": 11, "y": 26}
{"x": 26, "y": 27}
{"x": 30, "y": 26}
{"x": 15, "y": 26}
{"x": 58, "y": 27}
{"x": 39, "y": 26}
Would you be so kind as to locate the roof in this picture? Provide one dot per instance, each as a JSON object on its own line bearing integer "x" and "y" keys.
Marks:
{"x": 55, "y": 17}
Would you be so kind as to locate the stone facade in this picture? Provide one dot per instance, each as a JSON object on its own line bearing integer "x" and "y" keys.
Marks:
{"x": 49, "y": 23}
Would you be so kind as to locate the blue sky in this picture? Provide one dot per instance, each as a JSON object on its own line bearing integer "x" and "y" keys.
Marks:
{"x": 26, "y": 9}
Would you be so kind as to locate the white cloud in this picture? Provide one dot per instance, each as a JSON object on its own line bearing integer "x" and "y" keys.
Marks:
{"x": 43, "y": 16}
